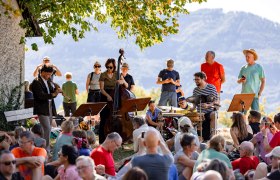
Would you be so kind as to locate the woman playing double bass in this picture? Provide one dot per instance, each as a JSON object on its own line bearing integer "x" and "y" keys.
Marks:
{"x": 107, "y": 81}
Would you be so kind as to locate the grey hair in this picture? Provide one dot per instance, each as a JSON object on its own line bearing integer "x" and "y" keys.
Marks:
{"x": 113, "y": 136}
{"x": 87, "y": 159}
{"x": 212, "y": 53}
{"x": 28, "y": 134}
{"x": 138, "y": 120}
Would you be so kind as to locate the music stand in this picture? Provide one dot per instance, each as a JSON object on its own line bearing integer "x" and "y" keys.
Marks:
{"x": 134, "y": 105}
{"x": 241, "y": 102}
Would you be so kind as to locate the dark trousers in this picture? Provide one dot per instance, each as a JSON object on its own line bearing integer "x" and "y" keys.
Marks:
{"x": 105, "y": 114}
{"x": 69, "y": 107}
{"x": 94, "y": 96}
{"x": 206, "y": 132}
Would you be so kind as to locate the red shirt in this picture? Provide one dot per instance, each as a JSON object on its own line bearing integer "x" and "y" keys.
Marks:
{"x": 214, "y": 73}
{"x": 245, "y": 164}
{"x": 104, "y": 157}
{"x": 275, "y": 141}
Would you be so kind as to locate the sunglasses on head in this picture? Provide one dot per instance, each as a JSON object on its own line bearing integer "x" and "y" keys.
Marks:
{"x": 97, "y": 66}
{"x": 7, "y": 163}
{"x": 109, "y": 67}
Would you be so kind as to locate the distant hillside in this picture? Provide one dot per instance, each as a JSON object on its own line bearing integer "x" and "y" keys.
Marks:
{"x": 225, "y": 33}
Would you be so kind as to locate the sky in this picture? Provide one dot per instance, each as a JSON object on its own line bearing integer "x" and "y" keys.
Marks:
{"x": 265, "y": 8}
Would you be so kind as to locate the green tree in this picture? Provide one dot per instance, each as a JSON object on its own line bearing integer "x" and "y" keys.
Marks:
{"x": 147, "y": 21}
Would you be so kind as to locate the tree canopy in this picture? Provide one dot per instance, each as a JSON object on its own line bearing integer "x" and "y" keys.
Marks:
{"x": 147, "y": 21}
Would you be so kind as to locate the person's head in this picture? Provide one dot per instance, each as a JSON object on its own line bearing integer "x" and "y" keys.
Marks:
{"x": 46, "y": 71}
{"x": 152, "y": 105}
{"x": 97, "y": 66}
{"x": 68, "y": 154}
{"x": 151, "y": 139}
{"x": 217, "y": 143}
{"x": 110, "y": 65}
{"x": 218, "y": 166}
{"x": 138, "y": 121}
{"x": 68, "y": 75}
{"x": 277, "y": 121}
{"x": 170, "y": 64}
{"x": 246, "y": 149}
{"x": 80, "y": 139}
{"x": 19, "y": 130}
{"x": 199, "y": 78}
{"x": 238, "y": 122}
{"x": 26, "y": 141}
{"x": 46, "y": 60}
{"x": 85, "y": 167}
{"x": 251, "y": 55}
{"x": 125, "y": 68}
{"x": 91, "y": 138}
{"x": 210, "y": 56}
{"x": 135, "y": 173}
{"x": 184, "y": 124}
{"x": 254, "y": 116}
{"x": 7, "y": 163}
{"x": 182, "y": 102}
{"x": 202, "y": 146}
{"x": 211, "y": 175}
{"x": 26, "y": 86}
{"x": 274, "y": 155}
{"x": 188, "y": 143}
{"x": 67, "y": 126}
{"x": 38, "y": 129}
{"x": 112, "y": 142}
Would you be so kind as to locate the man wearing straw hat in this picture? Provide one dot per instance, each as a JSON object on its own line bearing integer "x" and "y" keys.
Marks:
{"x": 252, "y": 77}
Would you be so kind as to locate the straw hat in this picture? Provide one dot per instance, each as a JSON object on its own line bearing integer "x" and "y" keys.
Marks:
{"x": 125, "y": 65}
{"x": 252, "y": 51}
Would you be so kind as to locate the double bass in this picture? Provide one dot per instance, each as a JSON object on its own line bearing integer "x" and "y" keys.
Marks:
{"x": 119, "y": 121}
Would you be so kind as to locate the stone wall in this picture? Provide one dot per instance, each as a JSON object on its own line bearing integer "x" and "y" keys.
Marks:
{"x": 11, "y": 52}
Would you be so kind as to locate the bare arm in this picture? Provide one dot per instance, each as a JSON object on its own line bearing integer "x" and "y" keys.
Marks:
{"x": 234, "y": 138}
{"x": 34, "y": 161}
{"x": 36, "y": 71}
{"x": 262, "y": 86}
{"x": 223, "y": 79}
{"x": 159, "y": 81}
{"x": 132, "y": 88}
{"x": 57, "y": 73}
{"x": 87, "y": 84}
{"x": 101, "y": 83}
{"x": 77, "y": 91}
{"x": 184, "y": 160}
{"x": 150, "y": 121}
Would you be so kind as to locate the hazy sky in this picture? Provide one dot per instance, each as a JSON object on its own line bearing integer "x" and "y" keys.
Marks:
{"x": 265, "y": 8}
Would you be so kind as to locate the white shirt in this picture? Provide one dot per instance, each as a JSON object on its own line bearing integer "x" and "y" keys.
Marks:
{"x": 46, "y": 83}
{"x": 137, "y": 134}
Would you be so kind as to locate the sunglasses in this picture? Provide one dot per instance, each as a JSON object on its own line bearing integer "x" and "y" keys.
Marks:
{"x": 97, "y": 66}
{"x": 7, "y": 163}
{"x": 109, "y": 67}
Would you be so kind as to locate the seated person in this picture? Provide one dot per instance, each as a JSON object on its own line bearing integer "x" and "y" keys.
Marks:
{"x": 263, "y": 170}
{"x": 8, "y": 166}
{"x": 239, "y": 130}
{"x": 258, "y": 141}
{"x": 215, "y": 151}
{"x": 81, "y": 143}
{"x": 246, "y": 161}
{"x": 183, "y": 158}
{"x": 103, "y": 154}
{"x": 65, "y": 138}
{"x": 29, "y": 159}
{"x": 153, "y": 115}
{"x": 139, "y": 127}
{"x": 38, "y": 132}
{"x": 254, "y": 121}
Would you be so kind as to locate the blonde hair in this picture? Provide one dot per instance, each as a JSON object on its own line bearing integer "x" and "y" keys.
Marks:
{"x": 68, "y": 75}
{"x": 67, "y": 126}
{"x": 217, "y": 142}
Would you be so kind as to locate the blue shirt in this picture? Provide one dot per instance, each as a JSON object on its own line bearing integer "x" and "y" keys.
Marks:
{"x": 166, "y": 74}
{"x": 153, "y": 116}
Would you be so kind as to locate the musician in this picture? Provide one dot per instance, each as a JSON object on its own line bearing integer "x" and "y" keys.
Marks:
{"x": 252, "y": 77}
{"x": 183, "y": 103}
{"x": 107, "y": 82}
{"x": 46, "y": 60}
{"x": 153, "y": 115}
{"x": 92, "y": 84}
{"x": 127, "y": 77}
{"x": 169, "y": 78}
{"x": 214, "y": 71}
{"x": 70, "y": 90}
{"x": 209, "y": 91}
{"x": 44, "y": 93}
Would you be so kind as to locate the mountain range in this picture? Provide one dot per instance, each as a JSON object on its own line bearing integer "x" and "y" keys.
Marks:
{"x": 208, "y": 29}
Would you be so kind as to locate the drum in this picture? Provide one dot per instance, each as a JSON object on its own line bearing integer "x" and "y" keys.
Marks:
{"x": 195, "y": 116}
